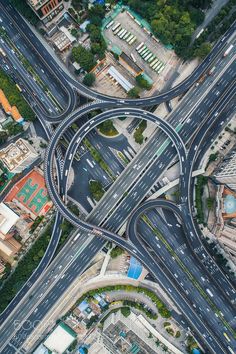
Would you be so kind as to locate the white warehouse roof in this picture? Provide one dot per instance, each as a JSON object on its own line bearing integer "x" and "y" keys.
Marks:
{"x": 60, "y": 339}
{"x": 120, "y": 79}
{"x": 7, "y": 218}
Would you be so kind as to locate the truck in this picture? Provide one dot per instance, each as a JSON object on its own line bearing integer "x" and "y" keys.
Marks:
{"x": 202, "y": 78}
{"x": 209, "y": 292}
{"x": 228, "y": 50}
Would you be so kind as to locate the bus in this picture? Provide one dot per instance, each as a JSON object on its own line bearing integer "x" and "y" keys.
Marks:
{"x": 146, "y": 54}
{"x": 133, "y": 58}
{"x": 159, "y": 65}
{"x": 109, "y": 24}
{"x": 19, "y": 88}
{"x": 117, "y": 30}
{"x": 154, "y": 62}
{"x": 140, "y": 46}
{"x": 141, "y": 49}
{"x": 123, "y": 34}
{"x": 161, "y": 68}
{"x": 127, "y": 35}
{"x": 145, "y": 51}
{"x": 129, "y": 38}
{"x": 151, "y": 59}
{"x": 116, "y": 26}
{"x": 132, "y": 40}
{"x": 148, "y": 57}
{"x": 155, "y": 66}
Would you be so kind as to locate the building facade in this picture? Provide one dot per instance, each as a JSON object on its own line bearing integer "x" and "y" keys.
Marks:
{"x": 46, "y": 10}
{"x": 122, "y": 335}
{"x": 18, "y": 156}
{"x": 226, "y": 173}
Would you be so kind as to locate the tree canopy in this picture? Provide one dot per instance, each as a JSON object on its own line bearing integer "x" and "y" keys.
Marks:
{"x": 84, "y": 57}
{"x": 89, "y": 79}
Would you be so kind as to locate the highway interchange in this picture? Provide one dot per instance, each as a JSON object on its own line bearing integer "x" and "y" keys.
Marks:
{"x": 140, "y": 174}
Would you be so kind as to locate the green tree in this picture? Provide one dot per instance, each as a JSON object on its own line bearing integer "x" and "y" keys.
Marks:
{"x": 203, "y": 50}
{"x": 3, "y": 136}
{"x": 89, "y": 79}
{"x": 74, "y": 32}
{"x": 84, "y": 57}
{"x": 138, "y": 137}
{"x": 134, "y": 92}
{"x": 116, "y": 251}
{"x": 143, "y": 83}
{"x": 96, "y": 190}
{"x": 125, "y": 311}
{"x": 14, "y": 128}
{"x": 107, "y": 128}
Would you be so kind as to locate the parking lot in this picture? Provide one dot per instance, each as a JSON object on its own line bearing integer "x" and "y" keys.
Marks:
{"x": 164, "y": 55}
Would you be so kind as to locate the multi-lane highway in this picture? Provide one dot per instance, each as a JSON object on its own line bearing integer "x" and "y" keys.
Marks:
{"x": 142, "y": 174}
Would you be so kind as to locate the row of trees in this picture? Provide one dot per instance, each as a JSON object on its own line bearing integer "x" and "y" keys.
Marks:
{"x": 14, "y": 97}
{"x": 98, "y": 44}
{"x": 24, "y": 269}
{"x": 201, "y": 182}
{"x": 98, "y": 157}
{"x": 163, "y": 310}
{"x": 214, "y": 30}
{"x": 172, "y": 21}
{"x": 138, "y": 134}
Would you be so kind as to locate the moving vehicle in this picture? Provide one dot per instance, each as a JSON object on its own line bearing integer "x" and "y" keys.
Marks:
{"x": 228, "y": 51}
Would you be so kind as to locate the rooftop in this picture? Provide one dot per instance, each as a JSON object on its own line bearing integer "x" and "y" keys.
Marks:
{"x": 131, "y": 63}
{"x": 15, "y": 153}
{"x": 60, "y": 339}
{"x": 7, "y": 218}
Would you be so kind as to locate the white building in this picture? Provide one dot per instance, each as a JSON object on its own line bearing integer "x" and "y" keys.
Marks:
{"x": 18, "y": 156}
{"x": 8, "y": 219}
{"x": 60, "y": 339}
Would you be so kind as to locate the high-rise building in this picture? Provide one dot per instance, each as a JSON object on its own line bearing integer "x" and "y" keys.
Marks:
{"x": 18, "y": 156}
{"x": 226, "y": 173}
{"x": 46, "y": 9}
{"x": 122, "y": 335}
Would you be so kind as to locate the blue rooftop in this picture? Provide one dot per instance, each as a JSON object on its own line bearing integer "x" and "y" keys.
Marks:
{"x": 230, "y": 204}
{"x": 135, "y": 268}
{"x": 83, "y": 305}
{"x": 196, "y": 351}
